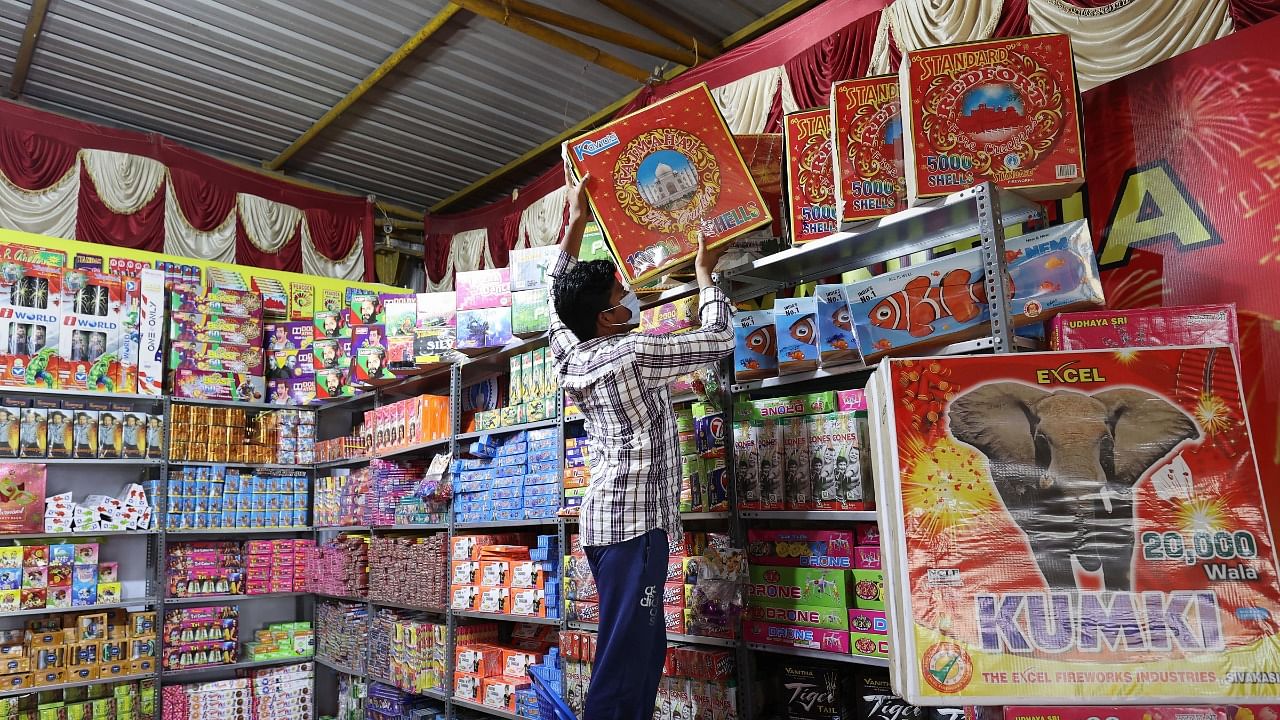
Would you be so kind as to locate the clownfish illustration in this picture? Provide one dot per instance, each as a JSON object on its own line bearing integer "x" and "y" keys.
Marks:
{"x": 842, "y": 318}
{"x": 796, "y": 354}
{"x": 805, "y": 330}
{"x": 918, "y": 305}
{"x": 762, "y": 340}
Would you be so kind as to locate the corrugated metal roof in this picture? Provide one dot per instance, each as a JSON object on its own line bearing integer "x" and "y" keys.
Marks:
{"x": 245, "y": 78}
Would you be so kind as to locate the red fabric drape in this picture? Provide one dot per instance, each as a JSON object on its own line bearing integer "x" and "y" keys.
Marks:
{"x": 95, "y": 222}
{"x": 205, "y": 205}
{"x": 435, "y": 255}
{"x": 289, "y": 258}
{"x": 500, "y": 245}
{"x": 33, "y": 161}
{"x": 1014, "y": 20}
{"x": 334, "y": 236}
{"x": 1246, "y": 13}
{"x": 842, "y": 56}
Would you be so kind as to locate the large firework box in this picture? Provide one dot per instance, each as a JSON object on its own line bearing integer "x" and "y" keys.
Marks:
{"x": 224, "y": 302}
{"x": 807, "y": 638}
{"x": 530, "y": 312}
{"x": 771, "y": 475}
{"x": 796, "y": 328}
{"x": 22, "y": 497}
{"x": 483, "y": 328}
{"x": 811, "y": 198}
{"x": 867, "y": 147}
{"x": 671, "y": 317}
{"x": 801, "y": 548}
{"x": 786, "y": 406}
{"x": 798, "y": 492}
{"x": 205, "y": 385}
{"x": 945, "y": 300}
{"x": 1185, "y": 541}
{"x": 363, "y": 307}
{"x": 529, "y": 266}
{"x": 1092, "y": 712}
{"x": 814, "y": 691}
{"x": 664, "y": 176}
{"x": 30, "y": 323}
{"x": 781, "y": 586}
{"x": 746, "y": 458}
{"x": 480, "y": 289}
{"x": 1145, "y": 327}
{"x": 1003, "y": 110}
{"x": 399, "y": 314}
{"x": 92, "y": 330}
{"x": 838, "y": 469}
{"x": 799, "y": 616}
{"x": 218, "y": 357}
{"x": 837, "y": 344}
{"x": 296, "y": 335}
{"x": 195, "y": 327}
{"x": 755, "y": 340}
{"x": 130, "y": 334}
{"x": 437, "y": 309}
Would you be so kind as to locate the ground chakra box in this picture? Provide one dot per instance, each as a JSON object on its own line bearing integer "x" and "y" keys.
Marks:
{"x": 1074, "y": 527}
{"x": 1001, "y": 110}
{"x": 866, "y": 122}
{"x": 662, "y": 177}
{"x": 811, "y": 195}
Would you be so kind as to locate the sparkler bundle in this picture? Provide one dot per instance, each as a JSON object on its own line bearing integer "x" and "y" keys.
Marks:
{"x": 341, "y": 631}
{"x": 342, "y": 566}
{"x": 389, "y": 482}
{"x": 410, "y": 570}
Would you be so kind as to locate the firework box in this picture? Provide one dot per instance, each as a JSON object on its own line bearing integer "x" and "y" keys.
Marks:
{"x": 661, "y": 178}
{"x": 798, "y": 492}
{"x": 836, "y": 342}
{"x": 298, "y": 335}
{"x": 530, "y": 312}
{"x": 1145, "y": 327}
{"x": 301, "y": 301}
{"x": 22, "y": 488}
{"x": 151, "y": 332}
{"x": 204, "y": 385}
{"x": 797, "y": 332}
{"x": 437, "y": 309}
{"x": 671, "y": 317}
{"x": 768, "y": 434}
{"x": 483, "y": 328}
{"x": 873, "y": 622}
{"x": 801, "y": 548}
{"x": 799, "y": 616}
{"x": 1001, "y": 110}
{"x": 868, "y": 589}
{"x": 755, "y": 339}
{"x": 1172, "y": 535}
{"x": 363, "y": 307}
{"x": 529, "y": 266}
{"x": 30, "y": 324}
{"x": 807, "y": 638}
{"x": 214, "y": 301}
{"x": 944, "y": 300}
{"x": 869, "y": 644}
{"x": 787, "y": 406}
{"x": 788, "y": 586}
{"x": 1115, "y": 712}
{"x": 813, "y": 691}
{"x": 480, "y": 289}
{"x": 399, "y": 314}
{"x": 218, "y": 357}
{"x": 836, "y": 471}
{"x": 194, "y": 327}
{"x": 811, "y": 199}
{"x": 867, "y": 160}
{"x": 330, "y": 325}
{"x": 92, "y": 323}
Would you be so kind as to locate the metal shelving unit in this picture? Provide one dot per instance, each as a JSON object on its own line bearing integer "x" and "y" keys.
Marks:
{"x": 812, "y": 515}
{"x": 241, "y": 665}
{"x": 227, "y": 599}
{"x": 80, "y": 536}
{"x": 241, "y": 531}
{"x": 494, "y": 712}
{"x": 77, "y": 684}
{"x": 537, "y": 425}
{"x": 819, "y": 655}
{"x": 337, "y": 666}
{"x": 500, "y": 617}
{"x": 129, "y": 603}
{"x": 409, "y": 606}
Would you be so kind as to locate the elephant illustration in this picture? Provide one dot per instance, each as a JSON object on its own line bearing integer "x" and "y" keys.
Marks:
{"x": 1065, "y": 465}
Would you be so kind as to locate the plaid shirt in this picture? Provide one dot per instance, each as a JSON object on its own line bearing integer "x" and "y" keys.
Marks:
{"x": 620, "y": 382}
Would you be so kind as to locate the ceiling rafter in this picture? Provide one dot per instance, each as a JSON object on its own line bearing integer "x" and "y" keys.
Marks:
{"x": 30, "y": 35}
{"x": 603, "y": 33}
{"x": 646, "y": 18}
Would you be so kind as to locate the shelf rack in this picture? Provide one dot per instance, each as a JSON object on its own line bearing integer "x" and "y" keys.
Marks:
{"x": 77, "y": 684}
{"x": 241, "y": 665}
{"x": 141, "y": 602}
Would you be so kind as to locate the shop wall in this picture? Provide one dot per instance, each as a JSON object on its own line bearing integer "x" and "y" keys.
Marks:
{"x": 1183, "y": 196}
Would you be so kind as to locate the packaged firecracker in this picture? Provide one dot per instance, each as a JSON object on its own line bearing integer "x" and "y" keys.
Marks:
{"x": 30, "y": 324}
{"x": 1001, "y": 110}
{"x": 813, "y": 691}
{"x": 768, "y": 435}
{"x": 1145, "y": 327}
{"x": 836, "y": 463}
{"x": 746, "y": 465}
{"x": 797, "y": 332}
{"x": 798, "y": 486}
{"x": 801, "y": 548}
{"x": 755, "y": 337}
{"x": 1118, "y": 493}
{"x": 810, "y": 179}
{"x": 663, "y": 177}
{"x": 22, "y": 494}
{"x": 836, "y": 342}
{"x": 867, "y": 148}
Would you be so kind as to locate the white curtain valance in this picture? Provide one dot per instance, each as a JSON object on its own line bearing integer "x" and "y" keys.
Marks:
{"x": 124, "y": 182}
{"x": 182, "y": 239}
{"x": 350, "y": 267}
{"x": 745, "y": 103}
{"x": 49, "y": 211}
{"x": 540, "y": 223}
{"x": 268, "y": 224}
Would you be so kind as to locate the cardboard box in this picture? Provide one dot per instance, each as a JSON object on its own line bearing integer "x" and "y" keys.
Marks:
{"x": 485, "y": 328}
{"x": 30, "y": 325}
{"x": 530, "y": 312}
{"x": 789, "y": 586}
{"x": 796, "y": 321}
{"x": 837, "y": 343}
{"x": 92, "y": 331}
{"x": 810, "y": 178}
{"x": 833, "y": 641}
{"x": 650, "y": 194}
{"x": 529, "y": 266}
{"x": 1002, "y": 110}
{"x": 481, "y": 289}
{"x": 1145, "y": 327}
{"x": 799, "y": 616}
{"x": 867, "y": 148}
{"x": 805, "y": 547}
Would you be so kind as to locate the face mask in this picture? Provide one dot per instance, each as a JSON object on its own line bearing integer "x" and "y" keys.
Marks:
{"x": 632, "y": 304}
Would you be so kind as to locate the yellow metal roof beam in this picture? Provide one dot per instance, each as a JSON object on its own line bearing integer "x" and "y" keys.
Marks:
{"x": 554, "y": 38}
{"x": 599, "y": 32}
{"x": 413, "y": 43}
{"x": 645, "y": 18}
{"x": 30, "y": 34}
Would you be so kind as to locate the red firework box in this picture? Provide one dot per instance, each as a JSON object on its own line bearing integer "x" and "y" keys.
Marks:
{"x": 30, "y": 323}
{"x": 867, "y": 154}
{"x": 811, "y": 192}
{"x": 1146, "y": 327}
{"x": 1093, "y": 712}
{"x": 1075, "y": 527}
{"x": 92, "y": 328}
{"x": 1001, "y": 110}
{"x": 661, "y": 178}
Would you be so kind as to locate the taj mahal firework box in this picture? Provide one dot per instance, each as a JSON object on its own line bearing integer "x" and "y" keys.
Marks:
{"x": 1001, "y": 110}
{"x": 866, "y": 132}
{"x": 811, "y": 191}
{"x": 662, "y": 177}
{"x": 1074, "y": 527}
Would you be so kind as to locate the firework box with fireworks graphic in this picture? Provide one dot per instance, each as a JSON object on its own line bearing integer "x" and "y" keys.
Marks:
{"x": 92, "y": 323}
{"x": 796, "y": 321}
{"x": 1073, "y": 527}
{"x": 22, "y": 488}
{"x": 30, "y": 323}
{"x": 1002, "y": 110}
{"x": 755, "y": 341}
{"x": 866, "y": 148}
{"x": 1145, "y": 327}
{"x": 945, "y": 300}
{"x": 811, "y": 199}
{"x": 661, "y": 178}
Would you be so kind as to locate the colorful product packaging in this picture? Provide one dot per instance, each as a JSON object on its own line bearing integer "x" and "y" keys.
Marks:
{"x": 484, "y": 328}
{"x": 867, "y": 148}
{"x": 791, "y": 586}
{"x": 1145, "y": 327}
{"x": 151, "y": 333}
{"x": 837, "y": 344}
{"x": 480, "y": 289}
{"x": 22, "y": 494}
{"x": 30, "y": 325}
{"x": 755, "y": 338}
{"x": 796, "y": 321}
{"x": 807, "y": 638}
{"x": 801, "y": 548}
{"x": 529, "y": 266}
{"x": 811, "y": 197}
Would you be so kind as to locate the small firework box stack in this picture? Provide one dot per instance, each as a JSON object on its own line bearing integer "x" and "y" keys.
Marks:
{"x": 400, "y": 318}
{"x": 810, "y": 179}
{"x": 530, "y": 309}
{"x": 661, "y": 178}
{"x": 1071, "y": 593}
{"x": 290, "y": 359}
{"x": 944, "y": 300}
{"x": 484, "y": 309}
{"x": 331, "y": 347}
{"x": 1001, "y": 110}
{"x": 220, "y": 370}
{"x": 866, "y": 122}
{"x": 78, "y": 649}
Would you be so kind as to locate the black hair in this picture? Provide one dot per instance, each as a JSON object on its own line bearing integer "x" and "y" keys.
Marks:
{"x": 582, "y": 294}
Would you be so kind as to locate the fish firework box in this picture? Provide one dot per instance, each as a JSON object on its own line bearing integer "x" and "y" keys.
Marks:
{"x": 945, "y": 300}
{"x": 755, "y": 342}
{"x": 1001, "y": 110}
{"x": 661, "y": 178}
{"x": 1075, "y": 527}
{"x": 866, "y": 122}
{"x": 811, "y": 193}
{"x": 1146, "y": 327}
{"x": 797, "y": 332}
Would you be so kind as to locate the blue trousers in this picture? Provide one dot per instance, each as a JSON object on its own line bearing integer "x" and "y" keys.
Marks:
{"x": 632, "y": 644}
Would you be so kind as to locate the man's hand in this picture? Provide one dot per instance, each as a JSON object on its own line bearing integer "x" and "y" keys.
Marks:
{"x": 705, "y": 262}
{"x": 576, "y": 194}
